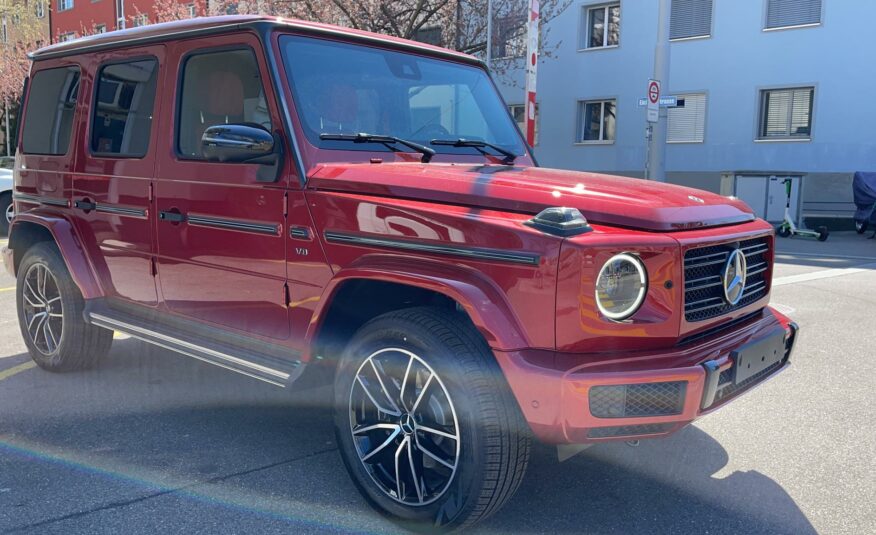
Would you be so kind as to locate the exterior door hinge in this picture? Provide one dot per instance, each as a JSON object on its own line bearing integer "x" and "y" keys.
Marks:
{"x": 287, "y": 299}
{"x": 285, "y": 204}
{"x": 153, "y": 266}
{"x": 151, "y": 192}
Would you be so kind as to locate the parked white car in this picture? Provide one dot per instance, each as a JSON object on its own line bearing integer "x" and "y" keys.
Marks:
{"x": 6, "y": 165}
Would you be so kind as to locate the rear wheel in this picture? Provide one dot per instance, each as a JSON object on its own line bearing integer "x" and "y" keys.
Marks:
{"x": 425, "y": 423}
{"x": 783, "y": 230}
{"x": 861, "y": 226}
{"x": 50, "y": 314}
{"x": 6, "y": 209}
{"x": 822, "y": 233}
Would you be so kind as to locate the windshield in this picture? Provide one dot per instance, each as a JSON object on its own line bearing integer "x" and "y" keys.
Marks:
{"x": 341, "y": 88}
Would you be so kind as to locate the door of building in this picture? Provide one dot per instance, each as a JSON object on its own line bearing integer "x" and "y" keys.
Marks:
{"x": 766, "y": 195}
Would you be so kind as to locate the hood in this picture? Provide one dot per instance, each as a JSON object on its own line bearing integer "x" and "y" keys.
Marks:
{"x": 603, "y": 199}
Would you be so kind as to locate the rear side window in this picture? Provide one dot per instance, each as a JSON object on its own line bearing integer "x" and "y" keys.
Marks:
{"x": 51, "y": 103}
{"x": 219, "y": 88}
{"x": 123, "y": 105}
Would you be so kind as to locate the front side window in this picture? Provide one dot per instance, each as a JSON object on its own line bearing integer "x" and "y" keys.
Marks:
{"x": 219, "y": 88}
{"x": 786, "y": 113}
{"x": 123, "y": 104}
{"x": 596, "y": 121}
{"x": 600, "y": 26}
{"x": 347, "y": 89}
{"x": 51, "y": 105}
{"x": 64, "y": 5}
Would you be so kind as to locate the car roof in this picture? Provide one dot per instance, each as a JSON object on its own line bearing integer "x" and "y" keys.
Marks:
{"x": 166, "y": 31}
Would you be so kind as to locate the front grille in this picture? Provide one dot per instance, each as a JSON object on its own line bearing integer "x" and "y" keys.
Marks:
{"x": 644, "y": 399}
{"x": 704, "y": 284}
{"x": 629, "y": 430}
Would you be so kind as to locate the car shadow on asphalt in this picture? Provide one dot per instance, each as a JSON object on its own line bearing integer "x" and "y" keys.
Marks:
{"x": 166, "y": 424}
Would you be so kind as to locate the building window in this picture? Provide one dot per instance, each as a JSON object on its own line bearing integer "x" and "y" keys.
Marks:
{"x": 4, "y": 36}
{"x": 600, "y": 26}
{"x": 64, "y": 5}
{"x": 518, "y": 111}
{"x": 786, "y": 113}
{"x": 122, "y": 117}
{"x": 67, "y": 36}
{"x": 141, "y": 20}
{"x": 40, "y": 9}
{"x": 51, "y": 104}
{"x": 687, "y": 120}
{"x": 100, "y": 28}
{"x": 509, "y": 37}
{"x": 596, "y": 121}
{"x": 788, "y": 13}
{"x": 191, "y": 8}
{"x": 430, "y": 35}
{"x": 690, "y": 18}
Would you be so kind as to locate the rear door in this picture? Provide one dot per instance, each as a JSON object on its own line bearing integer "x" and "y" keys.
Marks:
{"x": 113, "y": 179}
{"x": 221, "y": 251}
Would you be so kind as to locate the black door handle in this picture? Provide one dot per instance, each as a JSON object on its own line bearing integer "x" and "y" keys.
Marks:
{"x": 173, "y": 217}
{"x": 85, "y": 205}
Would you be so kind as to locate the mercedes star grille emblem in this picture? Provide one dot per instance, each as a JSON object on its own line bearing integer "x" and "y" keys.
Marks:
{"x": 734, "y": 276}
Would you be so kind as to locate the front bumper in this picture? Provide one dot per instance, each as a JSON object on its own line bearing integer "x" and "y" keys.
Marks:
{"x": 578, "y": 399}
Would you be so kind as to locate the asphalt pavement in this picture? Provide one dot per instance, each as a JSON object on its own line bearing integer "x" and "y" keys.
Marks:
{"x": 152, "y": 442}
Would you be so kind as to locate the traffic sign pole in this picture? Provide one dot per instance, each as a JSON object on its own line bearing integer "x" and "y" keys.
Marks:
{"x": 656, "y": 154}
{"x": 531, "y": 70}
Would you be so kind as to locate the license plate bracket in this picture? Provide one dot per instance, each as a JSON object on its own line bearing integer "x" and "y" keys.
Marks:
{"x": 756, "y": 356}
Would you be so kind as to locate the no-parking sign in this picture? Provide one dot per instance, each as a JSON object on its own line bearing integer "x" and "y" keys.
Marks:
{"x": 653, "y": 101}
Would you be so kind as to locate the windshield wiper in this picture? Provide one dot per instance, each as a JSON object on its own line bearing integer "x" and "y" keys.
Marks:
{"x": 379, "y": 138}
{"x": 479, "y": 145}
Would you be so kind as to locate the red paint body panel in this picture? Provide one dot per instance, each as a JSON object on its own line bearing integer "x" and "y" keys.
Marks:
{"x": 455, "y": 226}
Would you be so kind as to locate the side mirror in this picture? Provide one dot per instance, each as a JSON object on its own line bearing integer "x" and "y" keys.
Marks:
{"x": 238, "y": 143}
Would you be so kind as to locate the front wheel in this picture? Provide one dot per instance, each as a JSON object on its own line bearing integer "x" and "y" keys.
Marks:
{"x": 861, "y": 226}
{"x": 425, "y": 423}
{"x": 783, "y": 231}
{"x": 822, "y": 233}
{"x": 50, "y": 314}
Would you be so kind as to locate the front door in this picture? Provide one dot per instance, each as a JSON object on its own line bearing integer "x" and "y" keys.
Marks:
{"x": 221, "y": 247}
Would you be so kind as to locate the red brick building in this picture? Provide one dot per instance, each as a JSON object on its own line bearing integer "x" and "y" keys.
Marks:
{"x": 74, "y": 18}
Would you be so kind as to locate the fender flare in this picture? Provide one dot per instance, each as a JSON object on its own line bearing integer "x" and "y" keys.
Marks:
{"x": 69, "y": 244}
{"x": 482, "y": 300}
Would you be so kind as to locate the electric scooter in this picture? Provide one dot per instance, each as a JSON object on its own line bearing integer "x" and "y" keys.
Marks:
{"x": 789, "y": 228}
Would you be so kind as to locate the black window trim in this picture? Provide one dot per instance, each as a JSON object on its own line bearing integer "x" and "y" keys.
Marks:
{"x": 178, "y": 155}
{"x": 761, "y": 94}
{"x": 93, "y": 109}
{"x": 23, "y": 118}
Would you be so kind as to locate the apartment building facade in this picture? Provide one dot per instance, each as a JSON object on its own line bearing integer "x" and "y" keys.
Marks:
{"x": 767, "y": 90}
{"x": 74, "y": 18}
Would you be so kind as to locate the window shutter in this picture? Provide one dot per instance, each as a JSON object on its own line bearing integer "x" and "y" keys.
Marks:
{"x": 801, "y": 112}
{"x": 778, "y": 106}
{"x": 781, "y": 13}
{"x": 687, "y": 124}
{"x": 690, "y": 18}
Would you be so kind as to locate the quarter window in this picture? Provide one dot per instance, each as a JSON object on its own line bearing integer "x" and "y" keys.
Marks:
{"x": 601, "y": 26}
{"x": 219, "y": 88}
{"x": 786, "y": 113}
{"x": 786, "y": 13}
{"x": 596, "y": 121}
{"x": 123, "y": 105}
{"x": 51, "y": 105}
{"x": 690, "y": 18}
{"x": 687, "y": 121}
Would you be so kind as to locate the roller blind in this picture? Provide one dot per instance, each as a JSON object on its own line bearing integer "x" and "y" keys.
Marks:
{"x": 781, "y": 13}
{"x": 786, "y": 113}
{"x": 687, "y": 123}
{"x": 690, "y": 18}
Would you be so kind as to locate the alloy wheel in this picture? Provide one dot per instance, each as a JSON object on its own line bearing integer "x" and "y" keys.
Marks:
{"x": 404, "y": 426}
{"x": 43, "y": 310}
{"x": 10, "y": 213}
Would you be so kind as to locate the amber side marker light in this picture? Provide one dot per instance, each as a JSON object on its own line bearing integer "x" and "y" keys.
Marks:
{"x": 560, "y": 221}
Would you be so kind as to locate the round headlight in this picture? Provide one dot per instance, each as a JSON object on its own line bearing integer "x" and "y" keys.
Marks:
{"x": 621, "y": 286}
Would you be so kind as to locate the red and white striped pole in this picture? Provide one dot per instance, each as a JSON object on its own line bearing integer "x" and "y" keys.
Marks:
{"x": 531, "y": 67}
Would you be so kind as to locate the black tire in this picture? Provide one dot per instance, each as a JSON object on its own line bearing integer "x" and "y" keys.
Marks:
{"x": 822, "y": 233}
{"x": 861, "y": 226}
{"x": 783, "y": 231}
{"x": 78, "y": 345}
{"x": 5, "y": 203}
{"x": 493, "y": 439}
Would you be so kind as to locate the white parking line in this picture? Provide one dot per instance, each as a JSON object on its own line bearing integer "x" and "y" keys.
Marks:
{"x": 826, "y": 257}
{"x": 823, "y": 274}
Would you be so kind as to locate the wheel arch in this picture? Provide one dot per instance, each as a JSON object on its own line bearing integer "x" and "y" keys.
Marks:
{"x": 29, "y": 229}
{"x": 402, "y": 283}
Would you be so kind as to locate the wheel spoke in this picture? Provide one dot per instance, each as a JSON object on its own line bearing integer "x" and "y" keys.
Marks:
{"x": 41, "y": 316}
{"x": 397, "y": 473}
{"x": 360, "y": 430}
{"x": 47, "y": 328}
{"x": 427, "y": 429}
{"x": 433, "y": 456}
{"x": 404, "y": 382}
{"x": 28, "y": 288}
{"x": 386, "y": 443}
{"x": 422, "y": 392}
{"x": 383, "y": 387}
{"x": 414, "y": 476}
{"x": 380, "y": 407}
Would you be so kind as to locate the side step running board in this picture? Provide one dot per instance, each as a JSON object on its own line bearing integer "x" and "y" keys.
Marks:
{"x": 278, "y": 374}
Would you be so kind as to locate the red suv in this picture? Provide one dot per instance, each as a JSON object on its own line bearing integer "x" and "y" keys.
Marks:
{"x": 281, "y": 199}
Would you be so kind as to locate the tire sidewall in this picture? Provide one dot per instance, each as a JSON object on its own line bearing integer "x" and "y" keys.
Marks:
{"x": 5, "y": 202}
{"x": 451, "y": 508}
